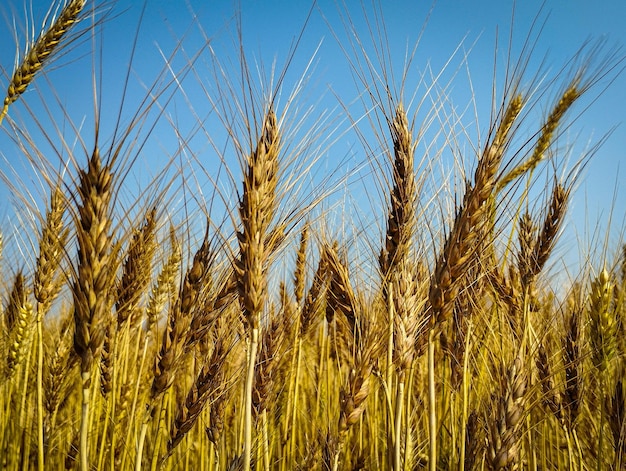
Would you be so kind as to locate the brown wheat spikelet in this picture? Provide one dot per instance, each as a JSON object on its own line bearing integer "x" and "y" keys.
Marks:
{"x": 341, "y": 300}
{"x": 179, "y": 319}
{"x": 299, "y": 276}
{"x": 409, "y": 327}
{"x": 551, "y": 397}
{"x": 266, "y": 377}
{"x": 91, "y": 288}
{"x": 54, "y": 234}
{"x": 602, "y": 321}
{"x": 546, "y": 136}
{"x": 527, "y": 235}
{"x": 17, "y": 297}
{"x": 505, "y": 429}
{"x": 256, "y": 210}
{"x": 216, "y": 416}
{"x": 137, "y": 270}
{"x": 17, "y": 317}
{"x": 401, "y": 216}
{"x": 312, "y": 302}
{"x": 19, "y": 336}
{"x": 467, "y": 230}
{"x": 473, "y": 443}
{"x": 40, "y": 51}
{"x": 203, "y": 390}
{"x": 106, "y": 360}
{"x": 59, "y": 363}
{"x": 165, "y": 282}
{"x": 550, "y": 229}
{"x": 572, "y": 359}
{"x": 353, "y": 395}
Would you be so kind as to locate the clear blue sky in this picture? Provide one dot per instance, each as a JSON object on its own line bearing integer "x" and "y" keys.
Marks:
{"x": 269, "y": 27}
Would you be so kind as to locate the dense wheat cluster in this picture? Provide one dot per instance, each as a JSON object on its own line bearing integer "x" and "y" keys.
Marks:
{"x": 279, "y": 342}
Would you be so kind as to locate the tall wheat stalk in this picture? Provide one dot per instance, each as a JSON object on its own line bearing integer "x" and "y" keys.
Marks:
{"x": 399, "y": 283}
{"x": 94, "y": 277}
{"x": 47, "y": 285}
{"x": 256, "y": 210}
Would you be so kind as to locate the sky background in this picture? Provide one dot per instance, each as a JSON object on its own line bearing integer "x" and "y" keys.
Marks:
{"x": 457, "y": 44}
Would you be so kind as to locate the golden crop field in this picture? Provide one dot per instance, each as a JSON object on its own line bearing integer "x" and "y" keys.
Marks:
{"x": 262, "y": 325}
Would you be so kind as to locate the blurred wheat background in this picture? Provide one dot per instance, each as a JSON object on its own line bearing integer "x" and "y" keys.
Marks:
{"x": 229, "y": 260}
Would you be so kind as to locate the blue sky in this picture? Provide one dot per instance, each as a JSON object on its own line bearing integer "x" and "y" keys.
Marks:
{"x": 458, "y": 32}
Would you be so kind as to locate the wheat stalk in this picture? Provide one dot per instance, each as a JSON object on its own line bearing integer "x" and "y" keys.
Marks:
{"x": 256, "y": 211}
{"x": 93, "y": 277}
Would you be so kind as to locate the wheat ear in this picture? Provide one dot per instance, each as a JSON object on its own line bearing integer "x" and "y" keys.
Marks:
{"x": 18, "y": 316}
{"x": 572, "y": 359}
{"x": 603, "y": 329}
{"x": 40, "y": 51}
{"x": 505, "y": 429}
{"x": 399, "y": 285}
{"x": 546, "y": 136}
{"x": 165, "y": 283}
{"x": 466, "y": 232}
{"x": 551, "y": 397}
{"x": 602, "y": 321}
{"x": 358, "y": 345}
{"x": 137, "y": 270}
{"x": 179, "y": 319}
{"x": 207, "y": 383}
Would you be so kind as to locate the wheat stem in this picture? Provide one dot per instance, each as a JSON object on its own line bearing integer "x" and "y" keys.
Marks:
{"x": 432, "y": 403}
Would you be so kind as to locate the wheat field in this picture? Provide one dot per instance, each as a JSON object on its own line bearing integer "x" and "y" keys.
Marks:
{"x": 265, "y": 325}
